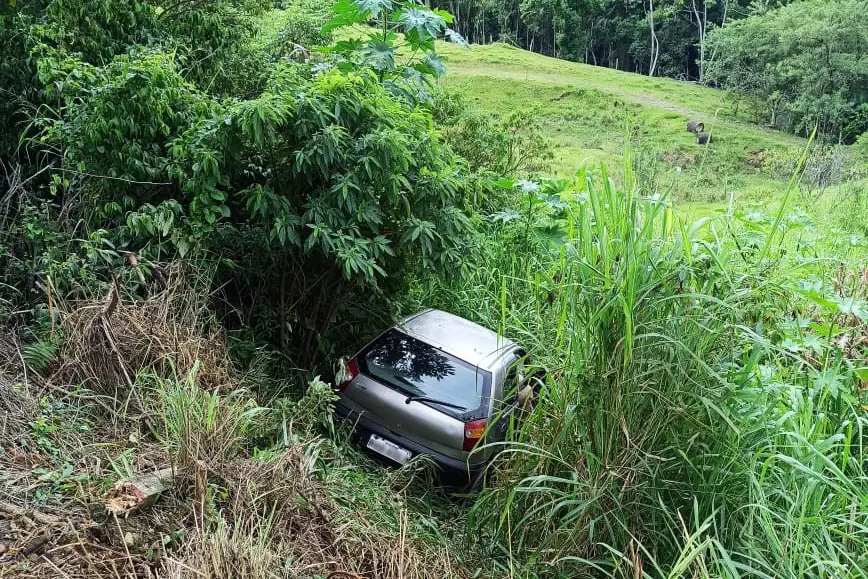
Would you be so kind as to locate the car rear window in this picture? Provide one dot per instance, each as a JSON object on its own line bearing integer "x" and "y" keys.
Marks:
{"x": 419, "y": 369}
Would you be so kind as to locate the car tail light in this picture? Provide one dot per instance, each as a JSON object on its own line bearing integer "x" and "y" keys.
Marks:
{"x": 351, "y": 370}
{"x": 473, "y": 433}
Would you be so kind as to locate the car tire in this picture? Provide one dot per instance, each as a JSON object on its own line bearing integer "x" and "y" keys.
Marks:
{"x": 477, "y": 480}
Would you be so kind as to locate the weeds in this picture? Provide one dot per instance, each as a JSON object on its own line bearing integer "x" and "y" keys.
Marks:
{"x": 681, "y": 431}
{"x": 202, "y": 425}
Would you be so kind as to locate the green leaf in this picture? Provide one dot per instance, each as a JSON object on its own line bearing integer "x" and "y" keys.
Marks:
{"x": 346, "y": 13}
{"x": 374, "y": 7}
{"x": 455, "y": 38}
{"x": 818, "y": 298}
{"x": 526, "y": 186}
{"x": 852, "y": 307}
{"x": 423, "y": 23}
{"x": 446, "y": 16}
{"x": 506, "y": 216}
{"x": 380, "y": 56}
{"x": 433, "y": 65}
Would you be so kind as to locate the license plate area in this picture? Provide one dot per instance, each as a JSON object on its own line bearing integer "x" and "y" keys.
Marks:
{"x": 389, "y": 449}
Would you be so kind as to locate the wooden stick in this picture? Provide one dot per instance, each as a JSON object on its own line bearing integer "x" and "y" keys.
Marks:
{"x": 142, "y": 491}
{"x": 29, "y": 515}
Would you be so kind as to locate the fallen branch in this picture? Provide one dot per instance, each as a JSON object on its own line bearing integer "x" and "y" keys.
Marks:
{"x": 29, "y": 515}
{"x": 129, "y": 495}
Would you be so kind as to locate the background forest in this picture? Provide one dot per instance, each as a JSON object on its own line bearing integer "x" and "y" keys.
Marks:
{"x": 203, "y": 203}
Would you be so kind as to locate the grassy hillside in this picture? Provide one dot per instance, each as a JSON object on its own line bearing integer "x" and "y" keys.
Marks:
{"x": 587, "y": 112}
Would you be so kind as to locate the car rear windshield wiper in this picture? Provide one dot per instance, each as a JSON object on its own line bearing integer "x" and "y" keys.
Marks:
{"x": 433, "y": 401}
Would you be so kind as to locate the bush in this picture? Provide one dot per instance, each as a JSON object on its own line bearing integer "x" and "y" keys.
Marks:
{"x": 332, "y": 178}
{"x": 823, "y": 167}
{"x": 512, "y": 145}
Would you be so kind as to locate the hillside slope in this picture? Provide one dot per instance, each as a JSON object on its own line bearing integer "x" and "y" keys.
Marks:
{"x": 587, "y": 111}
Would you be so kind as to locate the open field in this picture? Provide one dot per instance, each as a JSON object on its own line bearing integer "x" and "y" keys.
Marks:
{"x": 587, "y": 112}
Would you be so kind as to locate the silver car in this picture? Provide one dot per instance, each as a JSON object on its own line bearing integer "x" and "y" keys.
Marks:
{"x": 434, "y": 384}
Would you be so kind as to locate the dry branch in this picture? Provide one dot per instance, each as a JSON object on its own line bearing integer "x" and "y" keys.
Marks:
{"x": 130, "y": 495}
{"x": 29, "y": 514}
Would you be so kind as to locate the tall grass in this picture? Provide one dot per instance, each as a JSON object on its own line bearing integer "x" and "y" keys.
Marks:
{"x": 204, "y": 425}
{"x": 677, "y": 435}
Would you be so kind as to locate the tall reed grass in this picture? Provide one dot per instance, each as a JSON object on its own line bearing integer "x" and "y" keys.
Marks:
{"x": 681, "y": 432}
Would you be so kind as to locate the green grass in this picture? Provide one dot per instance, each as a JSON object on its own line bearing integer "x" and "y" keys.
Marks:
{"x": 685, "y": 429}
{"x": 588, "y": 112}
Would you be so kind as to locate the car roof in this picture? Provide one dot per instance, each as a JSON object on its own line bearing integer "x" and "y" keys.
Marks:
{"x": 462, "y": 338}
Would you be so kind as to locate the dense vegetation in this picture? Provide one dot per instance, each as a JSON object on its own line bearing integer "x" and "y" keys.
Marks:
{"x": 665, "y": 37}
{"x": 804, "y": 63}
{"x": 203, "y": 203}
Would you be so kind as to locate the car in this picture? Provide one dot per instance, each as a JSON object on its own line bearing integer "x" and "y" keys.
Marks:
{"x": 434, "y": 384}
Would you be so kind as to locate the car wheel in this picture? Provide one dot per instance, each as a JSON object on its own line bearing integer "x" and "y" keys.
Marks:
{"x": 477, "y": 481}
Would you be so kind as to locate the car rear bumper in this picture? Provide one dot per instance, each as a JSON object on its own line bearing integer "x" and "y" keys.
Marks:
{"x": 365, "y": 427}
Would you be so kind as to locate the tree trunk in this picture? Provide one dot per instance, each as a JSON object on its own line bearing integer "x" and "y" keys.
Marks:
{"x": 701, "y": 26}
{"x": 655, "y": 45}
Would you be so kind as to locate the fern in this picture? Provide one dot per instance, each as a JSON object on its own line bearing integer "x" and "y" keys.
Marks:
{"x": 39, "y": 354}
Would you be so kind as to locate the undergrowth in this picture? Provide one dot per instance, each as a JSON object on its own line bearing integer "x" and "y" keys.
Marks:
{"x": 263, "y": 485}
{"x": 705, "y": 408}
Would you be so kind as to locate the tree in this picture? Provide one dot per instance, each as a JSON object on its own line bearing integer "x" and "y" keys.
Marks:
{"x": 655, "y": 45}
{"x": 313, "y": 181}
{"x": 700, "y": 15}
{"x": 804, "y": 64}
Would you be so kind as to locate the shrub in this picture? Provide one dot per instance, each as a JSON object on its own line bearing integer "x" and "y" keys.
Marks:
{"x": 511, "y": 145}
{"x": 121, "y": 125}
{"x": 324, "y": 187}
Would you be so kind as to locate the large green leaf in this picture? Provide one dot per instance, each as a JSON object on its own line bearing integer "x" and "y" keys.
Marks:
{"x": 379, "y": 55}
{"x": 433, "y": 65}
{"x": 454, "y": 37}
{"x": 374, "y": 7}
{"x": 424, "y": 24}
{"x": 346, "y": 13}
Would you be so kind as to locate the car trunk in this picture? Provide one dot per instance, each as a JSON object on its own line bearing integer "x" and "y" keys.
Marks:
{"x": 419, "y": 392}
{"x": 417, "y": 421}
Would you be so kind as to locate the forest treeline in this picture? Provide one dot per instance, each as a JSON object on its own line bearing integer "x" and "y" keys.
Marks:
{"x": 799, "y": 64}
